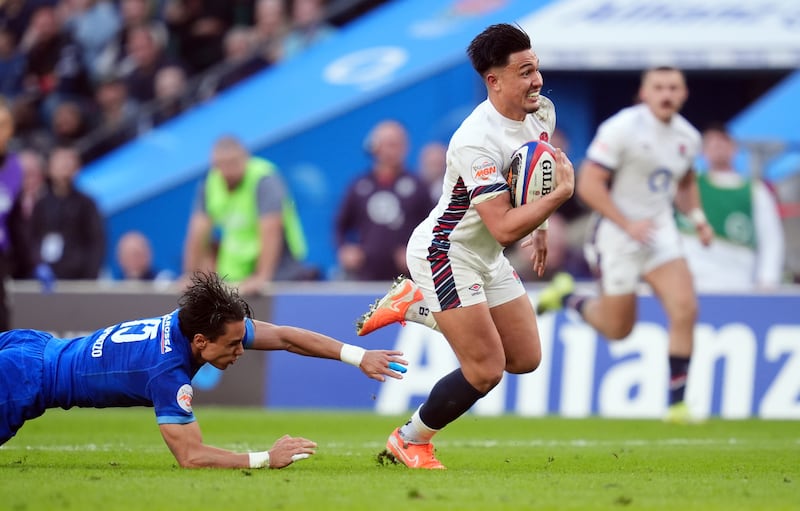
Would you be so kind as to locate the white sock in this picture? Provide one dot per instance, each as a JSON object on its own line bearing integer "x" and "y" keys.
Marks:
{"x": 415, "y": 431}
{"x": 419, "y": 313}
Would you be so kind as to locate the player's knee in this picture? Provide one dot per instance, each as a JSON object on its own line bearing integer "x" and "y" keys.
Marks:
{"x": 683, "y": 313}
{"x": 618, "y": 330}
{"x": 523, "y": 365}
{"x": 486, "y": 378}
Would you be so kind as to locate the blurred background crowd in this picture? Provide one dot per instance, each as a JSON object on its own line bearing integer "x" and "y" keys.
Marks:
{"x": 81, "y": 78}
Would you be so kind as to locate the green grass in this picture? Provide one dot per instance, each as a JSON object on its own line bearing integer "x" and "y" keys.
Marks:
{"x": 115, "y": 459}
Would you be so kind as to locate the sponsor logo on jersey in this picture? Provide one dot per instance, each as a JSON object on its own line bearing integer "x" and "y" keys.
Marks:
{"x": 544, "y": 137}
{"x": 483, "y": 169}
{"x": 166, "y": 341}
{"x": 97, "y": 346}
{"x": 184, "y": 397}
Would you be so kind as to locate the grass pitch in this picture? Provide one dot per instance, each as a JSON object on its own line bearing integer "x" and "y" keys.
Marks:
{"x": 115, "y": 459}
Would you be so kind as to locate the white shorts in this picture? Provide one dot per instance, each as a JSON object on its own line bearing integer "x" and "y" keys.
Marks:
{"x": 621, "y": 261}
{"x": 448, "y": 283}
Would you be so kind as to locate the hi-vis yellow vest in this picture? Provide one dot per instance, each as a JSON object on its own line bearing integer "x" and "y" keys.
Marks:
{"x": 235, "y": 215}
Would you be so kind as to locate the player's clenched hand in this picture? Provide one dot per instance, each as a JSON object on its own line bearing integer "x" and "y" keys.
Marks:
{"x": 375, "y": 364}
{"x": 565, "y": 176}
{"x": 286, "y": 447}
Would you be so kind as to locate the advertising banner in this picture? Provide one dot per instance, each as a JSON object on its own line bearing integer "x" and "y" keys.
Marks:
{"x": 746, "y": 363}
{"x": 746, "y": 360}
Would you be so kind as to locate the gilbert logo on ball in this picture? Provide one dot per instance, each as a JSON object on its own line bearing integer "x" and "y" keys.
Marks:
{"x": 531, "y": 174}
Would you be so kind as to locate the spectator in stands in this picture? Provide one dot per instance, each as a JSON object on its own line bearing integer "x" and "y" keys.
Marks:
{"x": 93, "y": 25}
{"x": 12, "y": 64}
{"x": 241, "y": 61}
{"x": 29, "y": 131}
{"x": 67, "y": 229}
{"x": 34, "y": 182}
{"x": 748, "y": 250}
{"x": 172, "y": 95}
{"x": 10, "y": 187}
{"x": 135, "y": 258}
{"x": 68, "y": 124}
{"x": 34, "y": 186}
{"x": 16, "y": 15}
{"x": 244, "y": 208}
{"x": 198, "y": 27}
{"x": 54, "y": 70}
{"x": 133, "y": 13}
{"x": 144, "y": 59}
{"x": 270, "y": 29}
{"x": 432, "y": 164}
{"x": 308, "y": 27}
{"x": 380, "y": 209}
{"x": 116, "y": 121}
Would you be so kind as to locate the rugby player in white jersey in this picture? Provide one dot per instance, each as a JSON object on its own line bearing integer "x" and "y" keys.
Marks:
{"x": 455, "y": 256}
{"x": 637, "y": 169}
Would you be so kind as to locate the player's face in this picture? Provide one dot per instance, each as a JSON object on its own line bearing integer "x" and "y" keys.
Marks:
{"x": 517, "y": 85}
{"x": 719, "y": 150}
{"x": 664, "y": 91}
{"x": 227, "y": 348}
{"x": 231, "y": 163}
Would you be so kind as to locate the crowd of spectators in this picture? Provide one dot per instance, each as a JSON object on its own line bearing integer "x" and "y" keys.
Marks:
{"x": 97, "y": 73}
{"x": 90, "y": 75}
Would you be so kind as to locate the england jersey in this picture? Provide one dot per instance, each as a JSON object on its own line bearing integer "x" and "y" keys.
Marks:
{"x": 478, "y": 158}
{"x": 647, "y": 158}
{"x": 146, "y": 362}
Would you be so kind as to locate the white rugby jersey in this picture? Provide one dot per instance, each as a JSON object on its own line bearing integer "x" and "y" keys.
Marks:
{"x": 647, "y": 158}
{"x": 478, "y": 157}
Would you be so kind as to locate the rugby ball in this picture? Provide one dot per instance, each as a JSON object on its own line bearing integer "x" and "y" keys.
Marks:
{"x": 532, "y": 172}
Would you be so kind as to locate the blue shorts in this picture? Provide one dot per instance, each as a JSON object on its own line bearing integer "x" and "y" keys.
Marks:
{"x": 21, "y": 374}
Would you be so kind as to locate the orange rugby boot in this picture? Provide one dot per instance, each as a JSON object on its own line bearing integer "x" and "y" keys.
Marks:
{"x": 391, "y": 308}
{"x": 412, "y": 455}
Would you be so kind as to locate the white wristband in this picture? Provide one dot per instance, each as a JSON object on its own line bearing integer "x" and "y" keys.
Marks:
{"x": 697, "y": 217}
{"x": 352, "y": 355}
{"x": 259, "y": 459}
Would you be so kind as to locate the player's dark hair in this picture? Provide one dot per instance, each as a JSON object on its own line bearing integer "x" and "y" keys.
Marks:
{"x": 208, "y": 305}
{"x": 658, "y": 69}
{"x": 492, "y": 47}
{"x": 716, "y": 127}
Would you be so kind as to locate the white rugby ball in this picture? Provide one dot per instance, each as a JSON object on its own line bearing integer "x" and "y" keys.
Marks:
{"x": 532, "y": 172}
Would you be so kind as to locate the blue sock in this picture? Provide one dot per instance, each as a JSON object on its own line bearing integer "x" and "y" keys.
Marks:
{"x": 449, "y": 399}
{"x": 678, "y": 370}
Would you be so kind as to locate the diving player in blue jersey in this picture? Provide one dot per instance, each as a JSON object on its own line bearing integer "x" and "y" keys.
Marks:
{"x": 150, "y": 362}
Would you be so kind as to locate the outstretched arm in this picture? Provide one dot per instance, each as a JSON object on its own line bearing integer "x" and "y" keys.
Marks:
{"x": 186, "y": 443}
{"x": 373, "y": 363}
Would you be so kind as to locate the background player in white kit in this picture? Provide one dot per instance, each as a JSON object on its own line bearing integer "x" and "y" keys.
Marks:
{"x": 455, "y": 256}
{"x": 637, "y": 166}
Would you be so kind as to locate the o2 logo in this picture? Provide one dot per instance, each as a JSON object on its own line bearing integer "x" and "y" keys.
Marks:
{"x": 660, "y": 180}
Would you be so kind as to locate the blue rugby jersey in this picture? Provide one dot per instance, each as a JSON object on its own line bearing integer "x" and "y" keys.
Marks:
{"x": 144, "y": 362}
